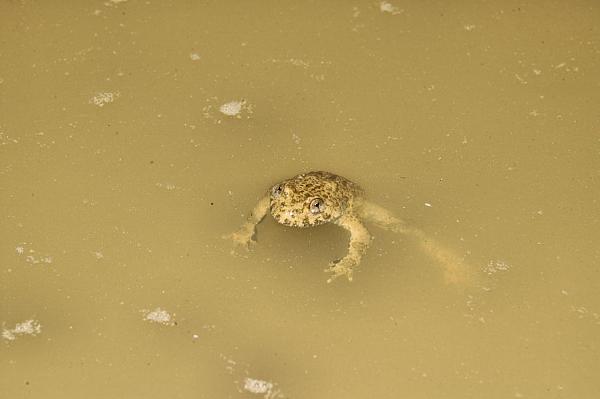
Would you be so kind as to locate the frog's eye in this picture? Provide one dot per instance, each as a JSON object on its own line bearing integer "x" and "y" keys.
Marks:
{"x": 317, "y": 206}
{"x": 276, "y": 191}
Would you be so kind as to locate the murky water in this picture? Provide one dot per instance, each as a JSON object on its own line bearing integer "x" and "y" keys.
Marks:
{"x": 134, "y": 134}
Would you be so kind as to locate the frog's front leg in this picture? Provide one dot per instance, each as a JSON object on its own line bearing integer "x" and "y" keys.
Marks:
{"x": 360, "y": 239}
{"x": 244, "y": 236}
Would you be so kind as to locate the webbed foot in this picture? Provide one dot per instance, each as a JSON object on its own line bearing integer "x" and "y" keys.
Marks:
{"x": 343, "y": 267}
{"x": 242, "y": 239}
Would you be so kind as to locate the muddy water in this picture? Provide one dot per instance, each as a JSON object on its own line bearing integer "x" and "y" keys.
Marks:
{"x": 134, "y": 134}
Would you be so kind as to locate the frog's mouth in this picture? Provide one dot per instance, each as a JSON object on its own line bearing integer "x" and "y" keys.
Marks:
{"x": 287, "y": 217}
{"x": 286, "y": 221}
{"x": 290, "y": 216}
{"x": 295, "y": 218}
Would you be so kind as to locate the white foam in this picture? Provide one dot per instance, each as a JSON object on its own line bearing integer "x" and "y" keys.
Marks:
{"x": 232, "y": 108}
{"x": 28, "y": 327}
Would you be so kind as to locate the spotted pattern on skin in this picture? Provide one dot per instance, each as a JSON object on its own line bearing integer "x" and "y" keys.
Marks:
{"x": 311, "y": 199}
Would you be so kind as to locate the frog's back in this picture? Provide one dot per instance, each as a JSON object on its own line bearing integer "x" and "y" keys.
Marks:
{"x": 336, "y": 186}
{"x": 329, "y": 186}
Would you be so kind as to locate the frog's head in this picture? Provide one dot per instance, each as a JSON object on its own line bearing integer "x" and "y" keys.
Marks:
{"x": 304, "y": 202}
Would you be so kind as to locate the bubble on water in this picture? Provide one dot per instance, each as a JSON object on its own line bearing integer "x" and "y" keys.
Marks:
{"x": 238, "y": 109}
{"x": 167, "y": 186}
{"x": 495, "y": 266}
{"x": 384, "y": 6}
{"x": 232, "y": 108}
{"x": 103, "y": 98}
{"x": 261, "y": 387}
{"x": 257, "y": 386}
{"x": 159, "y": 316}
{"x": 31, "y": 256}
{"x": 28, "y": 327}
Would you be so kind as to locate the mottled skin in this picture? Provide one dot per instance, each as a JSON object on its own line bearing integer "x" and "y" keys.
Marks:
{"x": 315, "y": 198}
{"x": 312, "y": 199}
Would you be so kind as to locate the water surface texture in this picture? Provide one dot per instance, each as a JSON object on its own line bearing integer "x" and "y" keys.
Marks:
{"x": 135, "y": 134}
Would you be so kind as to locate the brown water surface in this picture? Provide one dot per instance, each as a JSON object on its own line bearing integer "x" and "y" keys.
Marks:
{"x": 134, "y": 134}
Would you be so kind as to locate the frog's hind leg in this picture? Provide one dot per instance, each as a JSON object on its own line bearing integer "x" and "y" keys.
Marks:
{"x": 454, "y": 267}
{"x": 360, "y": 239}
{"x": 383, "y": 218}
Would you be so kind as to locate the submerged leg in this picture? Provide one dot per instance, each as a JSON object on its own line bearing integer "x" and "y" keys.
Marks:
{"x": 244, "y": 236}
{"x": 360, "y": 239}
{"x": 455, "y": 269}
{"x": 382, "y": 217}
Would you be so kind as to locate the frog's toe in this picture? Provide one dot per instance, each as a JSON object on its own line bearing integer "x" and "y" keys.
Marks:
{"x": 241, "y": 240}
{"x": 338, "y": 269}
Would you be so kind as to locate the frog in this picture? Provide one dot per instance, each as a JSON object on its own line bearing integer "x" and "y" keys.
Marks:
{"x": 316, "y": 198}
